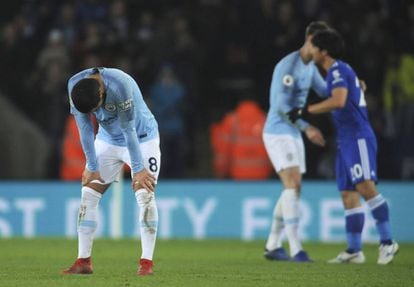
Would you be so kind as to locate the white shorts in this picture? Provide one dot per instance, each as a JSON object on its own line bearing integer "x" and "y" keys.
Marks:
{"x": 285, "y": 151}
{"x": 111, "y": 158}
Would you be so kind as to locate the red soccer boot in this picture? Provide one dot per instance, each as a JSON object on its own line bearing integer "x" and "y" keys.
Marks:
{"x": 81, "y": 266}
{"x": 145, "y": 267}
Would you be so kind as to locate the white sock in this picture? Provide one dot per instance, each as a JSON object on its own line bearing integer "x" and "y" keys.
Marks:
{"x": 87, "y": 221}
{"x": 148, "y": 220}
{"x": 274, "y": 240}
{"x": 376, "y": 201}
{"x": 290, "y": 204}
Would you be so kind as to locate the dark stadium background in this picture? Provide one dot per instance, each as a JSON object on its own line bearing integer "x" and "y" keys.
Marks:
{"x": 219, "y": 51}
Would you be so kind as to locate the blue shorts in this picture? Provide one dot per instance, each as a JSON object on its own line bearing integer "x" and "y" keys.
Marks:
{"x": 356, "y": 161}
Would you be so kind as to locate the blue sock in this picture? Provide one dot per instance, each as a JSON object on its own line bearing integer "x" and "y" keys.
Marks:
{"x": 354, "y": 223}
{"x": 380, "y": 212}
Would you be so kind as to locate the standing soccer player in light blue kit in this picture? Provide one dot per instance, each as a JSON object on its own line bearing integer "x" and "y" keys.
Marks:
{"x": 128, "y": 133}
{"x": 293, "y": 77}
{"x": 356, "y": 164}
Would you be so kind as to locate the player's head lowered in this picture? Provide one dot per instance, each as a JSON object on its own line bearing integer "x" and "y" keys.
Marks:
{"x": 330, "y": 41}
{"x": 87, "y": 95}
{"x": 316, "y": 26}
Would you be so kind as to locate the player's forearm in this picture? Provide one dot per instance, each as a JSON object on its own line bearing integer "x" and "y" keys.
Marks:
{"x": 282, "y": 104}
{"x": 90, "y": 155}
{"x": 299, "y": 124}
{"x": 87, "y": 138}
{"x": 137, "y": 162}
{"x": 302, "y": 124}
{"x": 325, "y": 106}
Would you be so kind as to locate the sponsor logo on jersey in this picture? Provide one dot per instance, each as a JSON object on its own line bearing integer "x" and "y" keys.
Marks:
{"x": 125, "y": 105}
{"x": 337, "y": 77}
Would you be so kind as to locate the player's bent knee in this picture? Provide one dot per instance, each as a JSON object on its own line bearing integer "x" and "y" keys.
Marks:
{"x": 90, "y": 197}
{"x": 290, "y": 195}
{"x": 145, "y": 198}
{"x": 367, "y": 189}
{"x": 350, "y": 199}
{"x": 98, "y": 187}
{"x": 291, "y": 178}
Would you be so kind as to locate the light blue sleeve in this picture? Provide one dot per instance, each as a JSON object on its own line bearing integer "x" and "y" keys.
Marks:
{"x": 302, "y": 124}
{"x": 282, "y": 107}
{"x": 87, "y": 138}
{"x": 126, "y": 114}
{"x": 282, "y": 93}
{"x": 282, "y": 88}
{"x": 85, "y": 128}
{"x": 319, "y": 84}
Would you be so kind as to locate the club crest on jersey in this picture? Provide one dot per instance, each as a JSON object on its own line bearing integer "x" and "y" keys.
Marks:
{"x": 288, "y": 80}
{"x": 125, "y": 105}
{"x": 110, "y": 107}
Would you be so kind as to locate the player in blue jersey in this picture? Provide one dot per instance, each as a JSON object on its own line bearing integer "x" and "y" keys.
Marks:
{"x": 356, "y": 164}
{"x": 292, "y": 79}
{"x": 128, "y": 133}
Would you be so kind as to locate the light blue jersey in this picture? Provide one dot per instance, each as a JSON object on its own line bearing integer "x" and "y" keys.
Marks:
{"x": 124, "y": 118}
{"x": 291, "y": 81}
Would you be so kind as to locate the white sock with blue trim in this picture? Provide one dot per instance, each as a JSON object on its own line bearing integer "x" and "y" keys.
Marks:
{"x": 274, "y": 240}
{"x": 87, "y": 221}
{"x": 290, "y": 208}
{"x": 148, "y": 220}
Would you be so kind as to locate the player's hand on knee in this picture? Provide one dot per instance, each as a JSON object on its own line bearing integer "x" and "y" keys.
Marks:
{"x": 143, "y": 179}
{"x": 315, "y": 136}
{"x": 89, "y": 176}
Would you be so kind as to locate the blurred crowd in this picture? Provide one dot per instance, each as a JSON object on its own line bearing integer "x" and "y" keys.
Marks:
{"x": 196, "y": 59}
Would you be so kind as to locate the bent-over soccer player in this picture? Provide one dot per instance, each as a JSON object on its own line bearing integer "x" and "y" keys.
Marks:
{"x": 128, "y": 133}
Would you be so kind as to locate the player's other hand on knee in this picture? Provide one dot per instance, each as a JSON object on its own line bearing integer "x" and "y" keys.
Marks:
{"x": 315, "y": 135}
{"x": 143, "y": 179}
{"x": 89, "y": 176}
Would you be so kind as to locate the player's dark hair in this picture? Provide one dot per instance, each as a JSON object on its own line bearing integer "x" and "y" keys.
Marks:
{"x": 316, "y": 26}
{"x": 331, "y": 41}
{"x": 85, "y": 95}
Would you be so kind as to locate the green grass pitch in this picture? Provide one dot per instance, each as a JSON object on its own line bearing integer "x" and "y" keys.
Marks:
{"x": 38, "y": 262}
